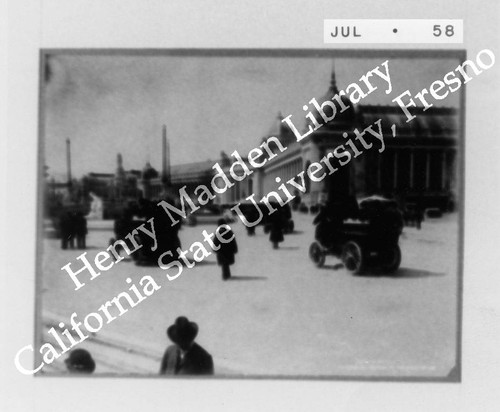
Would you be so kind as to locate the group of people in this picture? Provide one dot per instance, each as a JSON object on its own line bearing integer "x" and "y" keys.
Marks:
{"x": 132, "y": 216}
{"x": 73, "y": 226}
{"x": 168, "y": 236}
{"x": 276, "y": 224}
{"x": 183, "y": 357}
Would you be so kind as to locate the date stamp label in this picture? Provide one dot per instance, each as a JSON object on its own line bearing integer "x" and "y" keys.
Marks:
{"x": 393, "y": 31}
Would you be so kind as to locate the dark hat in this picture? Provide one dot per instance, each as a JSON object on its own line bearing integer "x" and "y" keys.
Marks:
{"x": 80, "y": 360}
{"x": 182, "y": 332}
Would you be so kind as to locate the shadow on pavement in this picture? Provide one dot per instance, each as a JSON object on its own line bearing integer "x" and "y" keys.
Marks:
{"x": 337, "y": 266}
{"x": 248, "y": 278}
{"x": 415, "y": 273}
{"x": 405, "y": 273}
{"x": 206, "y": 262}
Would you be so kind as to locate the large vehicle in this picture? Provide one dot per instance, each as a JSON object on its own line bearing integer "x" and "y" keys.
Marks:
{"x": 362, "y": 235}
{"x": 167, "y": 240}
{"x": 167, "y": 236}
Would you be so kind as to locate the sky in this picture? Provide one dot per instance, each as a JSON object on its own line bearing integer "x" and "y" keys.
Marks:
{"x": 110, "y": 104}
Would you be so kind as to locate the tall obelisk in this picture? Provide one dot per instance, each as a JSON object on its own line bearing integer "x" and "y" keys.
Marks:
{"x": 68, "y": 164}
{"x": 165, "y": 172}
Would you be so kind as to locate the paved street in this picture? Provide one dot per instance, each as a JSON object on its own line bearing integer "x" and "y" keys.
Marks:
{"x": 279, "y": 315}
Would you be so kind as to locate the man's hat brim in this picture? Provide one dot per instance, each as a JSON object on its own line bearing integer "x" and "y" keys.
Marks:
{"x": 182, "y": 333}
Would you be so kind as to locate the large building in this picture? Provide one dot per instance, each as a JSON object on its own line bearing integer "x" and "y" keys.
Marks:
{"x": 418, "y": 165}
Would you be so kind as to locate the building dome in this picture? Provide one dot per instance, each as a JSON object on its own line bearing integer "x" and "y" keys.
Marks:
{"x": 275, "y": 129}
{"x": 347, "y": 117}
{"x": 149, "y": 172}
{"x": 279, "y": 130}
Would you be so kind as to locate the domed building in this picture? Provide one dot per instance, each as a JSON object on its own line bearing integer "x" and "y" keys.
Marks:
{"x": 325, "y": 140}
{"x": 417, "y": 166}
{"x": 148, "y": 172}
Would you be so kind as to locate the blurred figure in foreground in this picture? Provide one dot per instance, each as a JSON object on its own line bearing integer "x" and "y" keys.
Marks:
{"x": 80, "y": 361}
{"x": 185, "y": 357}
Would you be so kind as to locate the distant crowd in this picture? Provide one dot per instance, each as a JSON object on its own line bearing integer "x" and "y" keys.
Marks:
{"x": 73, "y": 228}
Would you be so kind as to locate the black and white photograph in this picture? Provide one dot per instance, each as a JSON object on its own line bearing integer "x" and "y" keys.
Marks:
{"x": 249, "y": 206}
{"x": 287, "y": 214}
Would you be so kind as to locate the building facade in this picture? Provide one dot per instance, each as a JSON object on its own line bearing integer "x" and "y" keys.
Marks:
{"x": 419, "y": 165}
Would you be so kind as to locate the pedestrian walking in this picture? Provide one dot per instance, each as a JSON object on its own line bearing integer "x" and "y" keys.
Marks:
{"x": 122, "y": 226}
{"x": 276, "y": 229}
{"x": 80, "y": 230}
{"x": 227, "y": 250}
{"x": 67, "y": 228}
{"x": 185, "y": 356}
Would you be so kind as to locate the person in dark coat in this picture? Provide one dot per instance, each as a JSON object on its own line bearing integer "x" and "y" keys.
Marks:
{"x": 123, "y": 225}
{"x": 329, "y": 223}
{"x": 323, "y": 226}
{"x": 251, "y": 215}
{"x": 67, "y": 226}
{"x": 80, "y": 230}
{"x": 185, "y": 356}
{"x": 64, "y": 229}
{"x": 226, "y": 252}
{"x": 276, "y": 221}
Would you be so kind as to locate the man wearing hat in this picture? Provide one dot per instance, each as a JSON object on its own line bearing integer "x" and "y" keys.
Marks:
{"x": 185, "y": 357}
{"x": 80, "y": 361}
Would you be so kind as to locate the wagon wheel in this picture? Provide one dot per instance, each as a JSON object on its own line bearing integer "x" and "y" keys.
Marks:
{"x": 353, "y": 257}
{"x": 316, "y": 254}
{"x": 391, "y": 259}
